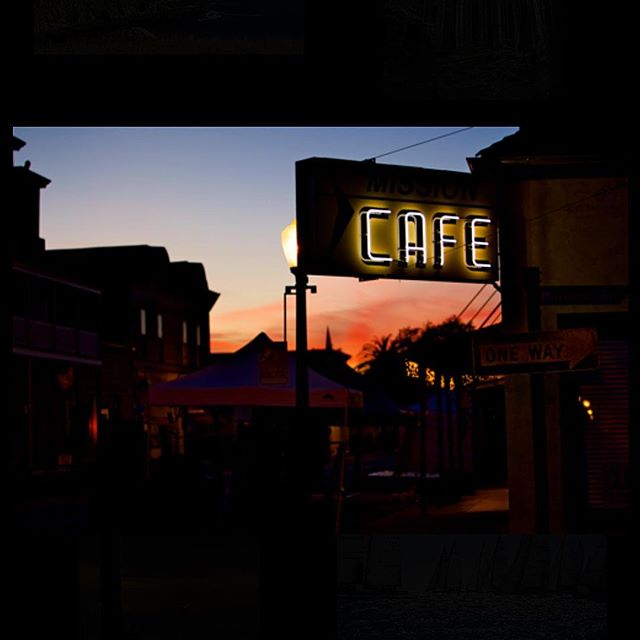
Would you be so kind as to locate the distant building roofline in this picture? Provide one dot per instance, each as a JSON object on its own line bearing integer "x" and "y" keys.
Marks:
{"x": 550, "y": 143}
{"x": 25, "y": 173}
{"x": 110, "y": 248}
{"x": 17, "y": 143}
{"x": 133, "y": 259}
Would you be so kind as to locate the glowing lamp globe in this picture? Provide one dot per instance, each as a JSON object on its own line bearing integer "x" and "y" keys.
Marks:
{"x": 289, "y": 239}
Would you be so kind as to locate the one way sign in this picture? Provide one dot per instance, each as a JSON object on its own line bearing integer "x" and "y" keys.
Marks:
{"x": 564, "y": 350}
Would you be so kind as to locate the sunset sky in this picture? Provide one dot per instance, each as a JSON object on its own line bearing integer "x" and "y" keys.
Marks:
{"x": 221, "y": 196}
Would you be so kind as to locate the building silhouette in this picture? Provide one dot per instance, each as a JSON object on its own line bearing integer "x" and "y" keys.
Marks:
{"x": 92, "y": 329}
{"x": 55, "y": 354}
{"x": 565, "y": 216}
{"x": 154, "y": 310}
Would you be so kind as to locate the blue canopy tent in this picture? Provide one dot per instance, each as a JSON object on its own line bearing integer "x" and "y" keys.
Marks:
{"x": 257, "y": 375}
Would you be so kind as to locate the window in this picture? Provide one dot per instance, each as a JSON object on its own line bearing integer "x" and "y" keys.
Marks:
{"x": 159, "y": 325}
{"x": 198, "y": 335}
{"x": 88, "y": 310}
{"x": 66, "y": 306}
{"x": 143, "y": 322}
{"x": 41, "y": 299}
{"x": 184, "y": 332}
{"x": 20, "y": 293}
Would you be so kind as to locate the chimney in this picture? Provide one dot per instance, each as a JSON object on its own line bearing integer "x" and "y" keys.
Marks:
{"x": 24, "y": 209}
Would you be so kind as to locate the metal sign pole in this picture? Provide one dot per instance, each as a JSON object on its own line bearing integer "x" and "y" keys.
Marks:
{"x": 532, "y": 286}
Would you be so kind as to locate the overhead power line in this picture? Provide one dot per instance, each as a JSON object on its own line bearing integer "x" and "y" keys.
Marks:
{"x": 417, "y": 144}
{"x": 490, "y": 314}
{"x": 466, "y": 306}
{"x": 493, "y": 235}
{"x": 484, "y": 304}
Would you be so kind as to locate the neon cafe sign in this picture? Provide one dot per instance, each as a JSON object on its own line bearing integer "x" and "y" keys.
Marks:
{"x": 384, "y": 221}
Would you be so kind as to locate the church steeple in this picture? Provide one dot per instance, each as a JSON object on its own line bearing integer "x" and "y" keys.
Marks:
{"x": 328, "y": 346}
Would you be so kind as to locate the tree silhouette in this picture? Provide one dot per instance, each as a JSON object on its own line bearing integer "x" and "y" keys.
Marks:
{"x": 384, "y": 365}
{"x": 434, "y": 356}
{"x": 418, "y": 363}
{"x": 380, "y": 353}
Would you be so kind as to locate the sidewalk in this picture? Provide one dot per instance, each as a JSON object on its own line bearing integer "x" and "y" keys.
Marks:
{"x": 486, "y": 511}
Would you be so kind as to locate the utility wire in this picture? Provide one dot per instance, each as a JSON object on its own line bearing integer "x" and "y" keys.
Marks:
{"x": 417, "y": 144}
{"x": 490, "y": 315}
{"x": 493, "y": 235}
{"x": 484, "y": 304}
{"x": 466, "y": 306}
{"x": 595, "y": 194}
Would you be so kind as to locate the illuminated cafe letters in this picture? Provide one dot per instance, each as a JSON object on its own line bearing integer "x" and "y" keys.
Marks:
{"x": 440, "y": 238}
{"x": 407, "y": 248}
{"x": 443, "y": 234}
{"x": 368, "y": 257}
{"x": 473, "y": 242}
{"x": 369, "y": 220}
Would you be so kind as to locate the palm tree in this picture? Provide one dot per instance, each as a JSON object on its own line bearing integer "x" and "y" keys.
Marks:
{"x": 384, "y": 366}
{"x": 378, "y": 351}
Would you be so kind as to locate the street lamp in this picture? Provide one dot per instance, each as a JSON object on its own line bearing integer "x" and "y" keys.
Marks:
{"x": 289, "y": 241}
{"x": 299, "y": 480}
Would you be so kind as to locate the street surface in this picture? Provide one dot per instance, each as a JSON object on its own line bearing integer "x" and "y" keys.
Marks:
{"x": 470, "y": 616}
{"x": 486, "y": 511}
{"x": 178, "y": 586}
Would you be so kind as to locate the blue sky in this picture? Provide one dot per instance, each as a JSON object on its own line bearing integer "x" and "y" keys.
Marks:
{"x": 221, "y": 196}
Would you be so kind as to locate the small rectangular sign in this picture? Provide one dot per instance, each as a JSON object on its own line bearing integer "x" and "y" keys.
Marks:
{"x": 371, "y": 220}
{"x": 563, "y": 350}
{"x": 273, "y": 365}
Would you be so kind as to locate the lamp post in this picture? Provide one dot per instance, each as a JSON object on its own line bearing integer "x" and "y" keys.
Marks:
{"x": 296, "y": 512}
{"x": 290, "y": 248}
{"x": 288, "y": 291}
{"x": 299, "y": 481}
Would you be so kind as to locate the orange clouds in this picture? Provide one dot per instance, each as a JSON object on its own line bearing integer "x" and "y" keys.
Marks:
{"x": 386, "y": 309}
{"x": 232, "y": 329}
{"x": 354, "y": 311}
